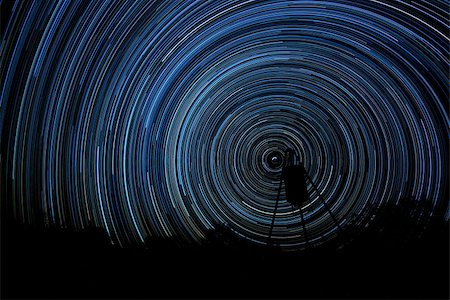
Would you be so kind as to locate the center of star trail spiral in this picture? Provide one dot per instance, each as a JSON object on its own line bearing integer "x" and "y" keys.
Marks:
{"x": 170, "y": 118}
{"x": 275, "y": 160}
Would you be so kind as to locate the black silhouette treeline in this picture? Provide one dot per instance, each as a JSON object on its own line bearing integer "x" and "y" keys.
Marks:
{"x": 402, "y": 254}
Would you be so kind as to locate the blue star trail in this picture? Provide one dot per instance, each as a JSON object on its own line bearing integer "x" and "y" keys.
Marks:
{"x": 155, "y": 118}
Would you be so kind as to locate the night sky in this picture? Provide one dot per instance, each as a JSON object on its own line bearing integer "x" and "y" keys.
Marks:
{"x": 155, "y": 119}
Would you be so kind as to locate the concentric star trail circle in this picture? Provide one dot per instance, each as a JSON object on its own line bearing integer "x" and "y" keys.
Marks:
{"x": 157, "y": 118}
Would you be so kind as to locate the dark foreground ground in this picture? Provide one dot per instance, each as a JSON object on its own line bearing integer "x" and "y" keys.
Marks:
{"x": 397, "y": 257}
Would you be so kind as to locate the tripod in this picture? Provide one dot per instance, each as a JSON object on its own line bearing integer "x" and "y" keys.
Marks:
{"x": 295, "y": 176}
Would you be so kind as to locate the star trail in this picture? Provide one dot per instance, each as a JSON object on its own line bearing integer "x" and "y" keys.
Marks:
{"x": 156, "y": 118}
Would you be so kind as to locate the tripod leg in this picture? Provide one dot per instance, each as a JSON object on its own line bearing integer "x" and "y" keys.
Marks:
{"x": 304, "y": 228}
{"x": 324, "y": 203}
{"x": 275, "y": 212}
